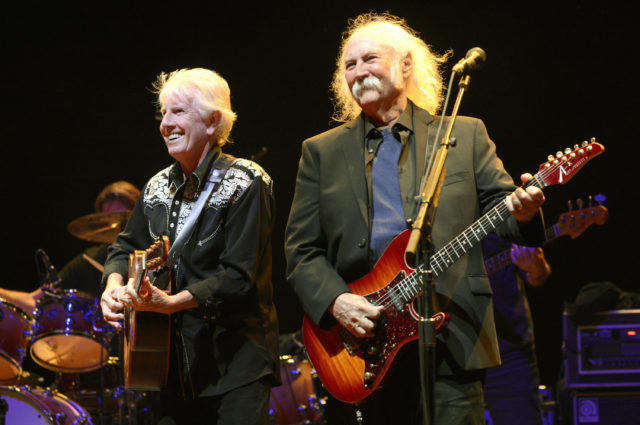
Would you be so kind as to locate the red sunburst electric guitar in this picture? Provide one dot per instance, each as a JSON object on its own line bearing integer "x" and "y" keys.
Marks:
{"x": 352, "y": 368}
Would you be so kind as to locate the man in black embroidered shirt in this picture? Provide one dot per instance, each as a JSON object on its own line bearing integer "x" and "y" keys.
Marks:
{"x": 224, "y": 354}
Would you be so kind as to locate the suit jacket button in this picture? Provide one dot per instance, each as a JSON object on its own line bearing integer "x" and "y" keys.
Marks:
{"x": 362, "y": 243}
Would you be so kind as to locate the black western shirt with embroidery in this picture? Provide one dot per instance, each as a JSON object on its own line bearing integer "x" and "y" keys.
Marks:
{"x": 231, "y": 339}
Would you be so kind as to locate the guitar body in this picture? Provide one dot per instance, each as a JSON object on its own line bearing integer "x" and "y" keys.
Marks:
{"x": 146, "y": 334}
{"x": 341, "y": 360}
{"x": 146, "y": 350}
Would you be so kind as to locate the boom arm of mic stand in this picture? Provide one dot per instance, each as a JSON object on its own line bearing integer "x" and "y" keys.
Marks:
{"x": 430, "y": 193}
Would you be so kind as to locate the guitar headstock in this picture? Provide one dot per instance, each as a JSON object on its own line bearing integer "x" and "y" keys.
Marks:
{"x": 574, "y": 222}
{"x": 560, "y": 168}
{"x": 157, "y": 254}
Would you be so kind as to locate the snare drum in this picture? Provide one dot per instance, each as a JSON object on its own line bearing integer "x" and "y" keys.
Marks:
{"x": 15, "y": 334}
{"x": 68, "y": 333}
{"x": 37, "y": 406}
{"x": 295, "y": 401}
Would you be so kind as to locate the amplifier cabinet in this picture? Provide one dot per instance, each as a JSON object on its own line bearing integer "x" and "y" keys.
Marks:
{"x": 606, "y": 407}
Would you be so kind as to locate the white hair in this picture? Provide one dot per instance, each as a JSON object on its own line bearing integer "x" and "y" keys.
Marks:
{"x": 211, "y": 93}
{"x": 424, "y": 84}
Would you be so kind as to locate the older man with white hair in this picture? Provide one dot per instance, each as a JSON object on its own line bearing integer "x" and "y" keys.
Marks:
{"x": 224, "y": 330}
{"x": 356, "y": 187}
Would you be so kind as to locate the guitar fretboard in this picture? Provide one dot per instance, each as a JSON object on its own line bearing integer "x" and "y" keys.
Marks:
{"x": 411, "y": 285}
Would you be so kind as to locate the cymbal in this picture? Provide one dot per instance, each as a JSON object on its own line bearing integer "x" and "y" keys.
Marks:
{"x": 99, "y": 227}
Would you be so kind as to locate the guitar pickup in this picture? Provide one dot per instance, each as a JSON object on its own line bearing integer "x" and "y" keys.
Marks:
{"x": 396, "y": 295}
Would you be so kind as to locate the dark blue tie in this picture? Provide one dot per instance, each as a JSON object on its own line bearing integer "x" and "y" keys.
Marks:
{"x": 388, "y": 212}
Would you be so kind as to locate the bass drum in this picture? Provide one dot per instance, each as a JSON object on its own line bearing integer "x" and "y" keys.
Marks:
{"x": 68, "y": 333}
{"x": 27, "y": 406}
{"x": 295, "y": 401}
{"x": 99, "y": 392}
{"x": 15, "y": 334}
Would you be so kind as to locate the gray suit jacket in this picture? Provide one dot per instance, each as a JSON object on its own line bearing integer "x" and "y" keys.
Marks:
{"x": 327, "y": 236}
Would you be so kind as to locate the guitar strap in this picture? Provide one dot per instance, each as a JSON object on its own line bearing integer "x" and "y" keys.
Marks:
{"x": 218, "y": 171}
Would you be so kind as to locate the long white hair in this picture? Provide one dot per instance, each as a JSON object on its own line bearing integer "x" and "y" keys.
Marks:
{"x": 424, "y": 85}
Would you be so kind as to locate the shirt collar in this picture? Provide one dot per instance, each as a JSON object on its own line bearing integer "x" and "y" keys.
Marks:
{"x": 199, "y": 175}
{"x": 405, "y": 122}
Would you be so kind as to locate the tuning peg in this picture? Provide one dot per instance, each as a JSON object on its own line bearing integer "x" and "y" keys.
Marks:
{"x": 593, "y": 140}
{"x": 580, "y": 203}
{"x": 590, "y": 201}
{"x": 600, "y": 198}
{"x": 570, "y": 205}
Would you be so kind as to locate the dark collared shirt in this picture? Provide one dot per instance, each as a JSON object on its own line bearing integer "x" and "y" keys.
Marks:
{"x": 231, "y": 339}
{"x": 403, "y": 132}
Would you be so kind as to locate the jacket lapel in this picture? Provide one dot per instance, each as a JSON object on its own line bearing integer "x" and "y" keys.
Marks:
{"x": 421, "y": 120}
{"x": 352, "y": 143}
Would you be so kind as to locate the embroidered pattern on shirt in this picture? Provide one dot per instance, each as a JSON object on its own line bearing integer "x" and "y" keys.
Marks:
{"x": 237, "y": 179}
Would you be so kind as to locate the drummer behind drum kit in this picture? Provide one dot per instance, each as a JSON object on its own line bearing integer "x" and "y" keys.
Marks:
{"x": 68, "y": 335}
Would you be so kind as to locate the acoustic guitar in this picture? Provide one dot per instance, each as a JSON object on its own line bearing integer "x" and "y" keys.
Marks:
{"x": 350, "y": 368}
{"x": 146, "y": 334}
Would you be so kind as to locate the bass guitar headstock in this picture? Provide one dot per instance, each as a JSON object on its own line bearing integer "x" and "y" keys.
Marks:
{"x": 574, "y": 222}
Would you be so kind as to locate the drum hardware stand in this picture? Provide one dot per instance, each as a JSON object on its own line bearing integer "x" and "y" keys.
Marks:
{"x": 359, "y": 418}
{"x": 418, "y": 250}
{"x": 4, "y": 407}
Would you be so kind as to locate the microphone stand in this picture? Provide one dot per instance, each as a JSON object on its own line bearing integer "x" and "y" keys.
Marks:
{"x": 417, "y": 252}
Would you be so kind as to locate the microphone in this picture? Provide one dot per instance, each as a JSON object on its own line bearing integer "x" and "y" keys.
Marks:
{"x": 474, "y": 59}
{"x": 50, "y": 271}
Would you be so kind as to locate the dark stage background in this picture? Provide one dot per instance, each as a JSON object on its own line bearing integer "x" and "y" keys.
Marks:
{"x": 79, "y": 113}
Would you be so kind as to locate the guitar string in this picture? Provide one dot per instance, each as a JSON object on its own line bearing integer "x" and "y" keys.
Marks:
{"x": 408, "y": 283}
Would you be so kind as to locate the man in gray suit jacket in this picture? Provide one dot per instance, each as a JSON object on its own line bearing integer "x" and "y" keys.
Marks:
{"x": 348, "y": 206}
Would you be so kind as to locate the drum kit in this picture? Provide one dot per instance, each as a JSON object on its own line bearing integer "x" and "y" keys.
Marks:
{"x": 300, "y": 399}
{"x": 67, "y": 334}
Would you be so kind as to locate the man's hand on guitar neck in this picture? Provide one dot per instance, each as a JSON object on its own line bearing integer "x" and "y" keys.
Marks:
{"x": 355, "y": 313}
{"x": 532, "y": 262}
{"x": 523, "y": 203}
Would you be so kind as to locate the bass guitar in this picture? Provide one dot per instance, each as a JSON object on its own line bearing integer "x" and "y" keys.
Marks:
{"x": 570, "y": 223}
{"x": 146, "y": 334}
{"x": 350, "y": 368}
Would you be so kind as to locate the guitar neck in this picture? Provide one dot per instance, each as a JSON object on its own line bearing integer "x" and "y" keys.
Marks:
{"x": 498, "y": 262}
{"x": 557, "y": 170}
{"x": 502, "y": 259}
{"x": 551, "y": 233}
{"x": 461, "y": 244}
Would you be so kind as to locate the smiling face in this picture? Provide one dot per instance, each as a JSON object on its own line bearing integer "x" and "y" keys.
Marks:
{"x": 373, "y": 73}
{"x": 187, "y": 135}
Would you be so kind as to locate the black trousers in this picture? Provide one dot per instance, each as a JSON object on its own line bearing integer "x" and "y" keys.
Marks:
{"x": 458, "y": 398}
{"x": 247, "y": 405}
